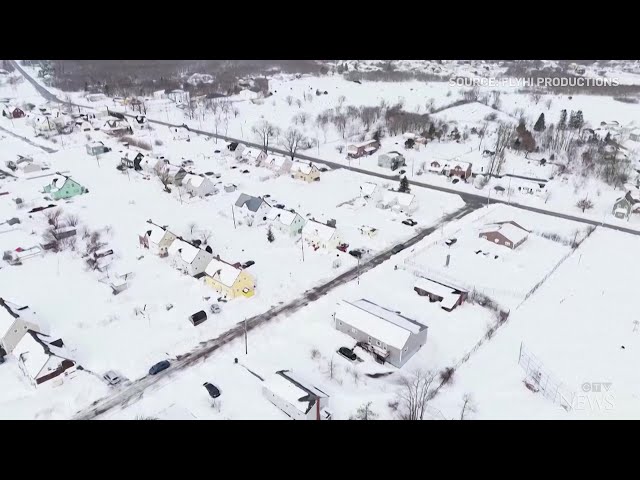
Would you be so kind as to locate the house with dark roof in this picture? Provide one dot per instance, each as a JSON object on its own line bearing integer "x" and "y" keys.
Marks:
{"x": 624, "y": 206}
{"x": 296, "y": 397}
{"x": 509, "y": 234}
{"x": 41, "y": 359}
{"x": 253, "y": 209}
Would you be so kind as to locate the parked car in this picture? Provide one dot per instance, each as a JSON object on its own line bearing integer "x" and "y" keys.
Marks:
{"x": 455, "y": 180}
{"x": 397, "y": 248}
{"x": 348, "y": 353}
{"x": 245, "y": 171}
{"x": 343, "y": 247}
{"x": 215, "y": 308}
{"x": 159, "y": 367}
{"x": 234, "y": 166}
{"x": 248, "y": 264}
{"x": 324, "y": 169}
{"x": 112, "y": 378}
{"x": 279, "y": 205}
{"x": 451, "y": 241}
{"x": 410, "y": 222}
{"x": 214, "y": 392}
{"x": 216, "y": 151}
{"x": 356, "y": 253}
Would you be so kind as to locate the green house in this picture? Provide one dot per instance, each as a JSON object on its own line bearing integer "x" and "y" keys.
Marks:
{"x": 62, "y": 187}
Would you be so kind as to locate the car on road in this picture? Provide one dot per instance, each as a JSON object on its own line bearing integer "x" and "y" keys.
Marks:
{"x": 411, "y": 222}
{"x": 248, "y": 264}
{"x": 159, "y": 367}
{"x": 112, "y": 378}
{"x": 348, "y": 353}
{"x": 214, "y": 392}
{"x": 397, "y": 248}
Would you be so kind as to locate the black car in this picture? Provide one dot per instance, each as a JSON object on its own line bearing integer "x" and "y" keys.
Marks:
{"x": 324, "y": 169}
{"x": 245, "y": 171}
{"x": 397, "y": 248}
{"x": 248, "y": 264}
{"x": 279, "y": 205}
{"x": 216, "y": 151}
{"x": 410, "y": 222}
{"x": 347, "y": 352}
{"x": 356, "y": 253}
{"x": 159, "y": 367}
{"x": 214, "y": 392}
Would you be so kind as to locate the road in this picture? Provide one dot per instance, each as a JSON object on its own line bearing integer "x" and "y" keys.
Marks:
{"x": 136, "y": 389}
{"x": 25, "y": 139}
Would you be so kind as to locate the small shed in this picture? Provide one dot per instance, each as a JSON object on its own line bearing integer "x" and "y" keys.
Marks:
{"x": 198, "y": 318}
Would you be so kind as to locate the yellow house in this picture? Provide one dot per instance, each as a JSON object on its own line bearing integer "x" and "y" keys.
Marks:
{"x": 228, "y": 280}
{"x": 303, "y": 171}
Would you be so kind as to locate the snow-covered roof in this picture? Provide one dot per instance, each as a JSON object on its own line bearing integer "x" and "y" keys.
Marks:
{"x": 156, "y": 233}
{"x": 252, "y": 153}
{"x": 449, "y": 301}
{"x": 33, "y": 355}
{"x": 187, "y": 251}
{"x": 384, "y": 325}
{"x": 6, "y": 320}
{"x": 324, "y": 232}
{"x": 194, "y": 180}
{"x": 368, "y": 188}
{"x": 400, "y": 198}
{"x": 288, "y": 388}
{"x": 510, "y": 231}
{"x": 275, "y": 161}
{"x": 96, "y": 144}
{"x": 457, "y": 163}
{"x": 433, "y": 287}
{"x": 301, "y": 167}
{"x": 172, "y": 170}
{"x": 222, "y": 271}
{"x": 362, "y": 144}
{"x": 285, "y": 217}
{"x": 392, "y": 154}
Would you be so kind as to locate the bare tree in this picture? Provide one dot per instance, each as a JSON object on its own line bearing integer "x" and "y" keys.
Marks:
{"x": 340, "y": 122}
{"x": 414, "y": 394}
{"x": 206, "y": 236}
{"x": 72, "y": 220}
{"x": 235, "y": 111}
{"x": 292, "y": 140}
{"x": 584, "y": 204}
{"x": 468, "y": 405}
{"x": 299, "y": 103}
{"x": 265, "y": 131}
{"x": 331, "y": 368}
{"x": 364, "y": 413}
{"x": 289, "y": 100}
{"x": 192, "y": 226}
{"x": 53, "y": 217}
{"x": 341, "y": 100}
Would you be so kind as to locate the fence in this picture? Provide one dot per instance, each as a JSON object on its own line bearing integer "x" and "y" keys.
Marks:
{"x": 538, "y": 377}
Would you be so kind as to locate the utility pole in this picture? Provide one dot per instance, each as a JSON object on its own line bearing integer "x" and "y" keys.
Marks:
{"x": 234, "y": 217}
{"x": 246, "y": 345}
{"x": 488, "y": 195}
{"x": 509, "y": 191}
{"x": 302, "y": 245}
{"x": 358, "y": 270}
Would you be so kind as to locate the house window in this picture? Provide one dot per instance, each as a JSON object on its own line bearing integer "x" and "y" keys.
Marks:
{"x": 496, "y": 240}
{"x": 508, "y": 244}
{"x": 353, "y": 330}
{"x": 369, "y": 340}
{"x": 378, "y": 343}
{"x": 340, "y": 323}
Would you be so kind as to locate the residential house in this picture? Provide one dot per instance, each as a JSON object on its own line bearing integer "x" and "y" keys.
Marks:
{"x": 398, "y": 202}
{"x": 252, "y": 155}
{"x": 28, "y": 166}
{"x": 178, "y": 96}
{"x": 634, "y": 135}
{"x": 188, "y": 258}
{"x": 436, "y": 167}
{"x": 156, "y": 238}
{"x": 237, "y": 149}
{"x": 390, "y": 337}
{"x": 296, "y": 397}
{"x": 140, "y": 122}
{"x": 116, "y": 126}
{"x": 320, "y": 235}
{"x": 457, "y": 168}
{"x": 230, "y": 187}
{"x": 43, "y": 124}
{"x": 392, "y": 160}
{"x": 13, "y": 112}
{"x": 358, "y": 150}
{"x": 174, "y": 174}
{"x": 228, "y": 280}
{"x": 132, "y": 159}
{"x": 449, "y": 297}
{"x": 15, "y": 322}
{"x": 253, "y": 209}
{"x": 624, "y": 206}
{"x": 369, "y": 190}
{"x": 509, "y": 234}
{"x": 97, "y": 148}
{"x": 42, "y": 360}
{"x": 277, "y": 163}
{"x": 287, "y": 221}
{"x": 368, "y": 231}
{"x": 305, "y": 171}
{"x": 198, "y": 185}
{"x": 180, "y": 133}
{"x": 63, "y": 187}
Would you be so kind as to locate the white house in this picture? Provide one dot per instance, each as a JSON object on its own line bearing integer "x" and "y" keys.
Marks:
{"x": 198, "y": 185}
{"x": 286, "y": 221}
{"x": 399, "y": 202}
{"x": 188, "y": 258}
{"x": 156, "y": 238}
{"x": 370, "y": 190}
{"x": 253, "y": 155}
{"x": 320, "y": 235}
{"x": 277, "y": 163}
{"x": 253, "y": 209}
{"x": 40, "y": 359}
{"x": 305, "y": 171}
{"x": 178, "y": 96}
{"x": 15, "y": 322}
{"x": 179, "y": 133}
{"x": 296, "y": 397}
{"x": 634, "y": 135}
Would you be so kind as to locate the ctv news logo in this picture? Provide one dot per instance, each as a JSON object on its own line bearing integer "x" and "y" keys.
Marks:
{"x": 595, "y": 396}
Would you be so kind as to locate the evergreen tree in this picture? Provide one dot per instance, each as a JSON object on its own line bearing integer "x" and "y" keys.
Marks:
{"x": 607, "y": 139}
{"x": 578, "y": 120}
{"x": 404, "y": 185}
{"x": 270, "y": 235}
{"x": 562, "y": 124}
{"x": 539, "y": 126}
{"x": 364, "y": 413}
